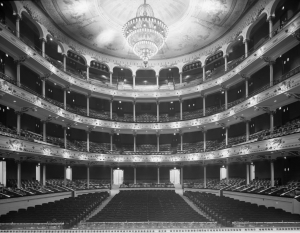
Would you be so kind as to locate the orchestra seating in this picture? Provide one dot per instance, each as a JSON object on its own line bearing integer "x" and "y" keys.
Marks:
{"x": 147, "y": 185}
{"x": 69, "y": 211}
{"x": 147, "y": 205}
{"x": 226, "y": 210}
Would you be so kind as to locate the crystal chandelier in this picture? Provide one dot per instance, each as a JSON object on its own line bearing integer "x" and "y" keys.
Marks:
{"x": 145, "y": 34}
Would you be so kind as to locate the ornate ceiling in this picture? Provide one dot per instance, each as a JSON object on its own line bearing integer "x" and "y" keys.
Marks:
{"x": 193, "y": 24}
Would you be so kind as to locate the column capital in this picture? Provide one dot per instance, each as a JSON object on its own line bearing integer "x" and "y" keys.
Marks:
{"x": 21, "y": 59}
{"x": 89, "y": 130}
{"x": 157, "y": 133}
{"x": 203, "y": 130}
{"x": 67, "y": 87}
{"x": 265, "y": 109}
{"x": 223, "y": 87}
{"x": 112, "y": 132}
{"x": 134, "y": 101}
{"x": 157, "y": 101}
{"x": 111, "y": 99}
{"x": 246, "y": 41}
{"x": 225, "y": 55}
{"x": 43, "y": 39}
{"x": 89, "y": 94}
{"x": 25, "y": 109}
{"x": 181, "y": 132}
{"x": 49, "y": 119}
{"x": 202, "y": 95}
{"x": 180, "y": 99}
{"x": 245, "y": 76}
{"x": 45, "y": 76}
{"x": 223, "y": 125}
{"x": 269, "y": 60}
{"x": 134, "y": 133}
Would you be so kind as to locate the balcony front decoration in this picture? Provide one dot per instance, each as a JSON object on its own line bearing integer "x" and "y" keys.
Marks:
{"x": 145, "y": 34}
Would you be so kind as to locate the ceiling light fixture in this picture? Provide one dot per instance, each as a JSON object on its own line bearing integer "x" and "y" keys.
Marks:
{"x": 145, "y": 34}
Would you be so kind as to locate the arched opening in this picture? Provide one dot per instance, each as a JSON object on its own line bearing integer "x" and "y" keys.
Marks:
{"x": 236, "y": 54}
{"x": 76, "y": 65}
{"x": 168, "y": 78}
{"x": 259, "y": 34}
{"x": 53, "y": 53}
{"x": 145, "y": 79}
{"x": 7, "y": 16}
{"x": 215, "y": 66}
{"x": 123, "y": 77}
{"x": 192, "y": 73}
{"x": 99, "y": 72}
{"x": 29, "y": 33}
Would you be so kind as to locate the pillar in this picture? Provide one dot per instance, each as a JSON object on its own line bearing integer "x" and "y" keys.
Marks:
{"x": 226, "y": 134}
{"x": 65, "y": 175}
{"x": 134, "y": 175}
{"x": 87, "y": 72}
{"x": 134, "y": 110}
{"x": 88, "y": 177}
{"x": 247, "y": 174}
{"x": 65, "y": 137}
{"x": 44, "y": 175}
{"x": 180, "y": 102}
{"x": 271, "y": 121}
{"x": 133, "y": 81}
{"x": 157, "y": 81}
{"x": 246, "y": 47}
{"x": 43, "y": 47}
{"x": 270, "y": 27}
{"x": 111, "y": 141}
{"x": 203, "y": 69}
{"x": 157, "y": 110}
{"x": 247, "y": 130}
{"x": 19, "y": 181}
{"x": 271, "y": 63}
{"x": 246, "y": 87}
{"x": 272, "y": 173}
{"x": 3, "y": 173}
{"x": 203, "y": 98}
{"x": 44, "y": 87}
{"x": 226, "y": 98}
{"x": 65, "y": 99}
{"x": 38, "y": 173}
{"x": 88, "y": 141}
{"x": 111, "y": 177}
{"x": 158, "y": 175}
{"x": 88, "y": 105}
{"x": 65, "y": 61}
{"x": 252, "y": 171}
{"x": 18, "y": 123}
{"x": 18, "y": 74}
{"x": 204, "y": 176}
{"x": 111, "y": 108}
{"x": 181, "y": 177}
{"x": 181, "y": 141}
{"x": 44, "y": 131}
{"x": 204, "y": 140}
{"x": 157, "y": 142}
{"x": 18, "y": 26}
{"x": 226, "y": 62}
{"x": 110, "y": 78}
{"x": 180, "y": 77}
{"x": 134, "y": 142}
{"x": 227, "y": 174}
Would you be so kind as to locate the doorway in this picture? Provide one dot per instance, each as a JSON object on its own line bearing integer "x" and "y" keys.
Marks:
{"x": 118, "y": 176}
{"x": 175, "y": 176}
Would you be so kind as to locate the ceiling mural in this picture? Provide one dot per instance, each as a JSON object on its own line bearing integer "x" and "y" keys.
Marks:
{"x": 193, "y": 24}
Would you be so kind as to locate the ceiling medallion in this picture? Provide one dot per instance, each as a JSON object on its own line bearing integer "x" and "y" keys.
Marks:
{"x": 145, "y": 34}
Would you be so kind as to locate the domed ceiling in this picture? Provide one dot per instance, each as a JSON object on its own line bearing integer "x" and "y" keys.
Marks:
{"x": 193, "y": 24}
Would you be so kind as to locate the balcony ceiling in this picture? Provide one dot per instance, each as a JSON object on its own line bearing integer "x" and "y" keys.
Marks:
{"x": 193, "y": 24}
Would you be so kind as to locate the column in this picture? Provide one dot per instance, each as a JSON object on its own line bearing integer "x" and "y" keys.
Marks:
{"x": 44, "y": 175}
{"x": 65, "y": 137}
{"x": 44, "y": 87}
{"x": 88, "y": 177}
{"x": 270, "y": 27}
{"x": 204, "y": 179}
{"x": 88, "y": 105}
{"x": 65, "y": 98}
{"x": 65, "y": 61}
{"x": 158, "y": 175}
{"x": 226, "y": 63}
{"x": 88, "y": 140}
{"x": 227, "y": 174}
{"x": 252, "y": 171}
{"x": 18, "y": 26}
{"x": 246, "y": 47}
{"x": 110, "y": 78}
{"x": 111, "y": 177}
{"x": 203, "y": 69}
{"x": 181, "y": 141}
{"x": 180, "y": 77}
{"x": 19, "y": 181}
{"x": 134, "y": 110}
{"x": 226, "y": 134}
{"x": 111, "y": 140}
{"x": 272, "y": 173}
{"x": 133, "y": 81}
{"x": 247, "y": 130}
{"x": 247, "y": 174}
{"x": 43, "y": 47}
{"x": 157, "y": 141}
{"x": 44, "y": 131}
{"x": 65, "y": 175}
{"x": 111, "y": 108}
{"x": 3, "y": 172}
{"x": 271, "y": 121}
{"x": 157, "y": 110}
{"x": 180, "y": 102}
{"x": 226, "y": 98}
{"x": 134, "y": 175}
{"x": 87, "y": 72}
{"x": 203, "y": 98}
{"x": 157, "y": 81}
{"x": 246, "y": 87}
{"x": 38, "y": 173}
{"x": 18, "y": 74}
{"x": 181, "y": 177}
{"x": 204, "y": 140}
{"x": 69, "y": 173}
{"x": 18, "y": 123}
{"x": 134, "y": 142}
{"x": 271, "y": 63}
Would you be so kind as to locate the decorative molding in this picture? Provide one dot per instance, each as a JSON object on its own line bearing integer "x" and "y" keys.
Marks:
{"x": 45, "y": 76}
{"x": 293, "y": 95}
{"x": 21, "y": 59}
